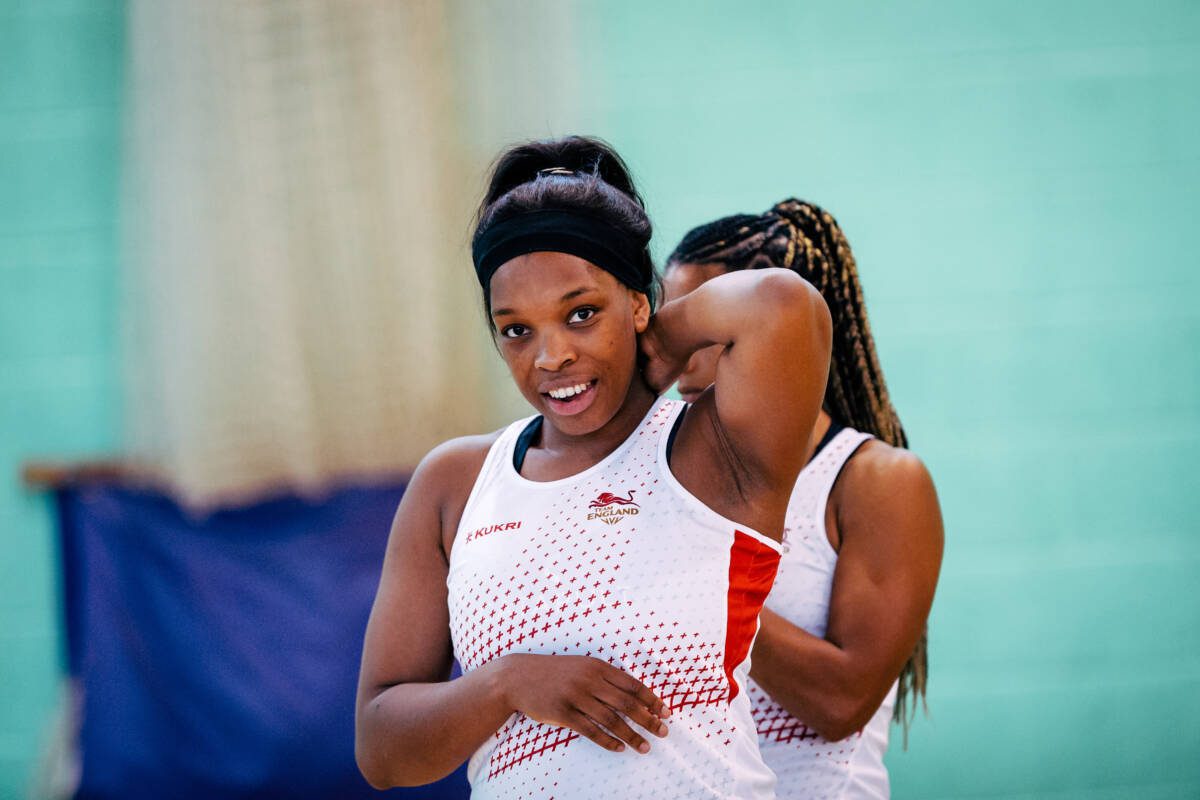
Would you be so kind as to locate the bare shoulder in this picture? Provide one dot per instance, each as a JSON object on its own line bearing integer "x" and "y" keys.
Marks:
{"x": 888, "y": 486}
{"x": 448, "y": 471}
{"x": 438, "y": 490}
{"x": 448, "y": 462}
{"x": 878, "y": 468}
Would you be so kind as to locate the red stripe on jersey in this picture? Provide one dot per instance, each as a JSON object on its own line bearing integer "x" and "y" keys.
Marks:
{"x": 752, "y": 568}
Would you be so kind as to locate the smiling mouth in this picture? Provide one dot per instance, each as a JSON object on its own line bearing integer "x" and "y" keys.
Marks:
{"x": 570, "y": 400}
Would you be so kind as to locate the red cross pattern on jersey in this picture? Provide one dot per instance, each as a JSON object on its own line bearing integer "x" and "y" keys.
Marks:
{"x": 622, "y": 564}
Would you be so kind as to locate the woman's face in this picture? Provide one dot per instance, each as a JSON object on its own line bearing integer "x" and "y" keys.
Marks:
{"x": 701, "y": 369}
{"x": 568, "y": 332}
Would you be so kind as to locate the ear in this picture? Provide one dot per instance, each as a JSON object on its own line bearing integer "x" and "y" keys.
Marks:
{"x": 641, "y": 311}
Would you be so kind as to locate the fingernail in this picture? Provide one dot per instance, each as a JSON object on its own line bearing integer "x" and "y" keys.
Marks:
{"x": 620, "y": 747}
{"x": 662, "y": 729}
{"x": 666, "y": 712}
{"x": 643, "y": 748}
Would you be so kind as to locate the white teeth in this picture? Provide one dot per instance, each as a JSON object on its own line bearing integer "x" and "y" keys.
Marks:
{"x": 570, "y": 391}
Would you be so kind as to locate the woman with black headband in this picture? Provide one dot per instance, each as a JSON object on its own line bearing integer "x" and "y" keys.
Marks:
{"x": 842, "y": 647}
{"x": 597, "y": 569}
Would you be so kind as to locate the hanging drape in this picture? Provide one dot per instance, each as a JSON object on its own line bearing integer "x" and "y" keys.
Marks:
{"x": 298, "y": 185}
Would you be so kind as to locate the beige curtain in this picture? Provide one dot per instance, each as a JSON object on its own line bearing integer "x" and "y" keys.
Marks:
{"x": 299, "y": 178}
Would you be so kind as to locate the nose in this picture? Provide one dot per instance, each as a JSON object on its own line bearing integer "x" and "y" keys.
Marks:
{"x": 554, "y": 352}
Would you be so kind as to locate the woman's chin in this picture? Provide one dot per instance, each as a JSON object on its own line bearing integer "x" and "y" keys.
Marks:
{"x": 580, "y": 420}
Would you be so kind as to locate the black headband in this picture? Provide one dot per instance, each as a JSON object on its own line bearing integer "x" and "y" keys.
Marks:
{"x": 557, "y": 231}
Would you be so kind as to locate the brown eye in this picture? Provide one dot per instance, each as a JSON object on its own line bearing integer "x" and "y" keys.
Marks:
{"x": 582, "y": 314}
{"x": 513, "y": 331}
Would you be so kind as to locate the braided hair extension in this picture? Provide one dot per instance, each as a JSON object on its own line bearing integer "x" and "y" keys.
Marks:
{"x": 806, "y": 239}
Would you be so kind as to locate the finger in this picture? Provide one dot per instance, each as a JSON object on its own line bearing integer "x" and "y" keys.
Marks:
{"x": 631, "y": 707}
{"x": 631, "y": 685}
{"x": 587, "y": 727}
{"x": 614, "y": 723}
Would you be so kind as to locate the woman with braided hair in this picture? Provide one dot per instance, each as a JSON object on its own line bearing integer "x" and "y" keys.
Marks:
{"x": 841, "y": 647}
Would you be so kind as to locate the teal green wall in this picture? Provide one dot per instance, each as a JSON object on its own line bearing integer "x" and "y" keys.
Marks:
{"x": 60, "y": 81}
{"x": 1020, "y": 183}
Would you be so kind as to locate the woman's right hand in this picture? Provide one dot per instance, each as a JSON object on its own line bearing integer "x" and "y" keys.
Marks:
{"x": 587, "y": 695}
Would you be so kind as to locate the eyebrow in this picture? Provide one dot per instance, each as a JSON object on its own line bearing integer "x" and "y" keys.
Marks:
{"x": 571, "y": 295}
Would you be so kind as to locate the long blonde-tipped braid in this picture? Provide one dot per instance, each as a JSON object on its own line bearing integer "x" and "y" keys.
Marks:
{"x": 805, "y": 238}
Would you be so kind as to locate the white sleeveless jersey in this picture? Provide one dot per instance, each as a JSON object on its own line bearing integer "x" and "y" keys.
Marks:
{"x": 807, "y": 765}
{"x": 621, "y": 563}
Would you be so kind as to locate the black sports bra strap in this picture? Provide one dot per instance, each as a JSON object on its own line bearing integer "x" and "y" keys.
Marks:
{"x": 675, "y": 430}
{"x": 835, "y": 428}
{"x": 525, "y": 440}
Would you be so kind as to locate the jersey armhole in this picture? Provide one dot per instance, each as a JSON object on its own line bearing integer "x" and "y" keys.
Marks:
{"x": 823, "y": 505}
{"x": 675, "y": 430}
{"x": 496, "y": 455}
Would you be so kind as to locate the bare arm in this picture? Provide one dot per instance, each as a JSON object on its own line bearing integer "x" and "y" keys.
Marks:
{"x": 775, "y": 329}
{"x": 412, "y": 724}
{"x": 887, "y": 569}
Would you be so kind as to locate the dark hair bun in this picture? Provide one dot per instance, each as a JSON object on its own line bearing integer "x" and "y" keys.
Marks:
{"x": 584, "y": 156}
{"x": 572, "y": 173}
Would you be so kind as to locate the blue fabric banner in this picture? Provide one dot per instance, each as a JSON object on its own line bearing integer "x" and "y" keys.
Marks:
{"x": 219, "y": 659}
